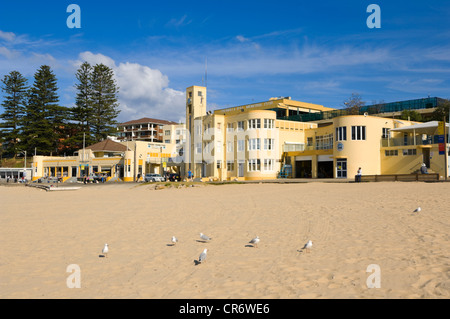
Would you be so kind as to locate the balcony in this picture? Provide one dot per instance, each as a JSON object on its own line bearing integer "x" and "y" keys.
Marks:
{"x": 409, "y": 140}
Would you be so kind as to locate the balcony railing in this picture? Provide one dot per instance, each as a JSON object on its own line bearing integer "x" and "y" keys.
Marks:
{"x": 409, "y": 140}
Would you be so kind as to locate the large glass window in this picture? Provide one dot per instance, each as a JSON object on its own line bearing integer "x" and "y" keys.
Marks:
{"x": 254, "y": 124}
{"x": 254, "y": 165}
{"x": 358, "y": 133}
{"x": 341, "y": 133}
{"x": 269, "y": 144}
{"x": 254, "y": 144}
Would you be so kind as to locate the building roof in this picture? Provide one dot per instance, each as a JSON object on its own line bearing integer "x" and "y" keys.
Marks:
{"x": 107, "y": 146}
{"x": 146, "y": 120}
{"x": 275, "y": 103}
{"x": 425, "y": 128}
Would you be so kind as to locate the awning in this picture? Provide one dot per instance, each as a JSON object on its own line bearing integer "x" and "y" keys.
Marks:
{"x": 421, "y": 128}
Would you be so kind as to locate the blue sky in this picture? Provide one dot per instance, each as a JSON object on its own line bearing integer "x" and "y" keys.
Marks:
{"x": 318, "y": 52}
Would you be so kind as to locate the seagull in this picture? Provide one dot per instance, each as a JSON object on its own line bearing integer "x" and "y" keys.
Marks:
{"x": 105, "y": 250}
{"x": 254, "y": 241}
{"x": 174, "y": 240}
{"x": 204, "y": 237}
{"x": 418, "y": 209}
{"x": 308, "y": 245}
{"x": 202, "y": 256}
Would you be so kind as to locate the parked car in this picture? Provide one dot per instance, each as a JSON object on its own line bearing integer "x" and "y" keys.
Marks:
{"x": 174, "y": 177}
{"x": 153, "y": 178}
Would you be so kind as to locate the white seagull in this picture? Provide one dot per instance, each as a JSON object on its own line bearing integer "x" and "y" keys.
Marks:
{"x": 202, "y": 256}
{"x": 204, "y": 237}
{"x": 105, "y": 250}
{"x": 308, "y": 245}
{"x": 174, "y": 240}
{"x": 418, "y": 209}
{"x": 254, "y": 241}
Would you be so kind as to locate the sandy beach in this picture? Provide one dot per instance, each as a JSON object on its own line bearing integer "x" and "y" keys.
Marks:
{"x": 351, "y": 225}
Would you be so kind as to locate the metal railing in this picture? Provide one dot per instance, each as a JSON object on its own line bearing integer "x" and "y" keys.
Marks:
{"x": 417, "y": 104}
{"x": 409, "y": 140}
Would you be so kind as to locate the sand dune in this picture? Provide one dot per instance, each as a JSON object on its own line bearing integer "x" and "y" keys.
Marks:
{"x": 351, "y": 225}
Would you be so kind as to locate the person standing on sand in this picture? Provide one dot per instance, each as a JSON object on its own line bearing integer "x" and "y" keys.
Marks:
{"x": 358, "y": 175}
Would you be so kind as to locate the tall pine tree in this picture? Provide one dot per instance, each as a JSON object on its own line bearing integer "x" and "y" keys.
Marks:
{"x": 14, "y": 85}
{"x": 104, "y": 102}
{"x": 81, "y": 113}
{"x": 44, "y": 119}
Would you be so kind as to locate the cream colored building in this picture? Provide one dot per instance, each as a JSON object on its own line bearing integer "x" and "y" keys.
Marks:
{"x": 379, "y": 146}
{"x": 118, "y": 161}
{"x": 257, "y": 142}
{"x": 244, "y": 142}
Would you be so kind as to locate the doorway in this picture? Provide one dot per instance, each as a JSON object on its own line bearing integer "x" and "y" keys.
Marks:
{"x": 341, "y": 168}
{"x": 426, "y": 156}
{"x": 241, "y": 168}
{"x": 303, "y": 169}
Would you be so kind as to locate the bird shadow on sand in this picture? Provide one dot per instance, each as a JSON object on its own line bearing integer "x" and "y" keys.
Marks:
{"x": 101, "y": 256}
{"x": 196, "y": 262}
{"x": 250, "y": 245}
{"x": 170, "y": 245}
{"x": 202, "y": 241}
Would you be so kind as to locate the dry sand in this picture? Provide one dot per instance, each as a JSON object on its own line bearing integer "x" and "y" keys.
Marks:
{"x": 351, "y": 225}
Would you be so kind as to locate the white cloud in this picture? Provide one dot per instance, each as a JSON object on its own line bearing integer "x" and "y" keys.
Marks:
{"x": 6, "y": 53}
{"x": 96, "y": 59}
{"x": 178, "y": 22}
{"x": 8, "y": 36}
{"x": 242, "y": 39}
{"x": 143, "y": 92}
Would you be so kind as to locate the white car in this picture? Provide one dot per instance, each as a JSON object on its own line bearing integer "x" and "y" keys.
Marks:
{"x": 153, "y": 178}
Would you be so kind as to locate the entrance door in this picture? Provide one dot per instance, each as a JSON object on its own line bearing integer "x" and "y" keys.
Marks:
{"x": 341, "y": 168}
{"x": 204, "y": 167}
{"x": 303, "y": 169}
{"x": 325, "y": 169}
{"x": 426, "y": 156}
{"x": 241, "y": 169}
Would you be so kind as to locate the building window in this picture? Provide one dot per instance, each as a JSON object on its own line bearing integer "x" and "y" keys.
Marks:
{"x": 230, "y": 127}
{"x": 230, "y": 146}
{"x": 254, "y": 165}
{"x": 324, "y": 142}
{"x": 269, "y": 144}
{"x": 384, "y": 132}
{"x": 207, "y": 128}
{"x": 230, "y": 165}
{"x": 240, "y": 125}
{"x": 341, "y": 133}
{"x": 219, "y": 164}
{"x": 268, "y": 164}
{"x": 198, "y": 148}
{"x": 358, "y": 133}
{"x": 254, "y": 124}
{"x": 254, "y": 144}
{"x": 391, "y": 153}
{"x": 309, "y": 141}
{"x": 269, "y": 123}
{"x": 241, "y": 145}
{"x": 167, "y": 141}
{"x": 411, "y": 151}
